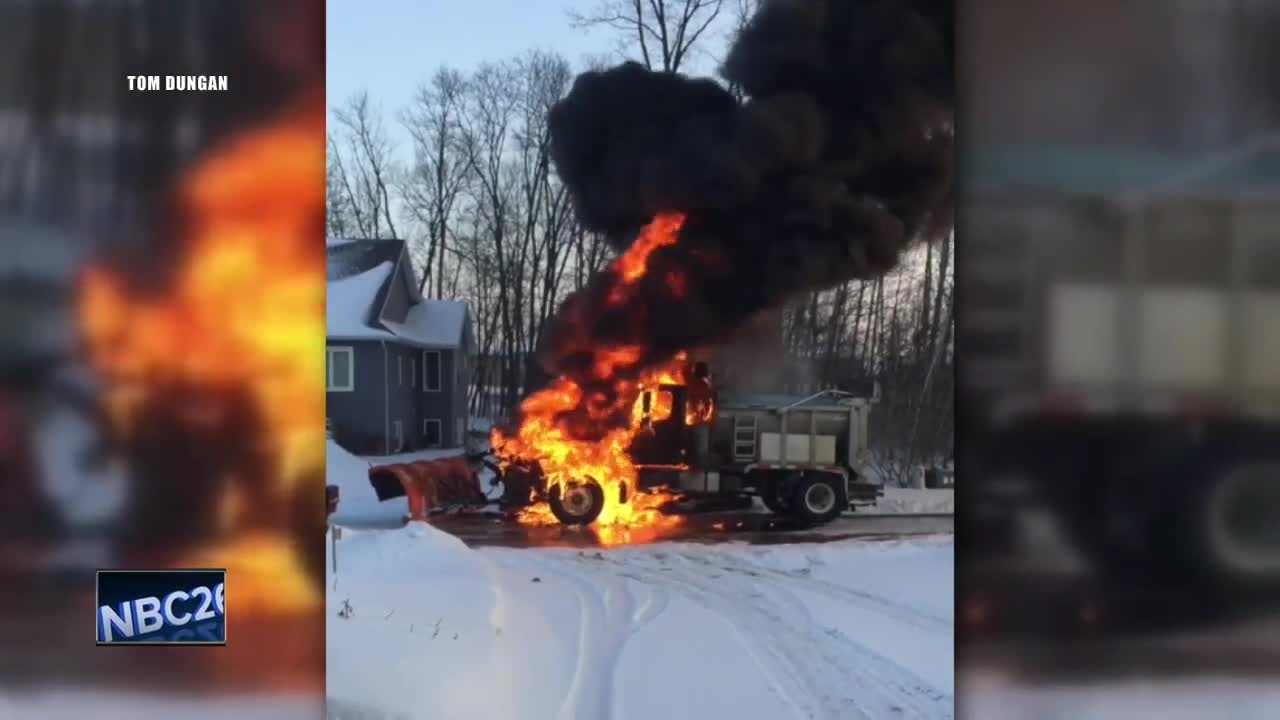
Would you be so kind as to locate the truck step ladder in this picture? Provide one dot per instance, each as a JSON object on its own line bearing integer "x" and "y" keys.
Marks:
{"x": 744, "y": 436}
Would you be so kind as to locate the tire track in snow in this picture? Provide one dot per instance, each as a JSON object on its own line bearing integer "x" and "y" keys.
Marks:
{"x": 809, "y": 666}
{"x": 899, "y": 676}
{"x": 609, "y": 616}
{"x": 877, "y": 603}
{"x": 790, "y": 687}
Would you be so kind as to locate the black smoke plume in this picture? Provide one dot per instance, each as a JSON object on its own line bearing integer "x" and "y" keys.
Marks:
{"x": 838, "y": 160}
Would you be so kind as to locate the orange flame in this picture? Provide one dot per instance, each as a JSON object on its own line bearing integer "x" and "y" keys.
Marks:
{"x": 562, "y": 458}
{"x": 631, "y": 266}
{"x": 245, "y": 310}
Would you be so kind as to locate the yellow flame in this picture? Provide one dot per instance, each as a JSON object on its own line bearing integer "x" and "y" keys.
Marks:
{"x": 244, "y": 311}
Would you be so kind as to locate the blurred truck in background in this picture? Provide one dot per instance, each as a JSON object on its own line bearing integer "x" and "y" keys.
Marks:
{"x": 1121, "y": 362}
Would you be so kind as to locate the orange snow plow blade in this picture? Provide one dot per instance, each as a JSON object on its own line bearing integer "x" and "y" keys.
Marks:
{"x": 428, "y": 484}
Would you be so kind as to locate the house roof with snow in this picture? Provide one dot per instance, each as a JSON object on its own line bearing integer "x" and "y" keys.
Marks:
{"x": 351, "y": 257}
{"x": 373, "y": 294}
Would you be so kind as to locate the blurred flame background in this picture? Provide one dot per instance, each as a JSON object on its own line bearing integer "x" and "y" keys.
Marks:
{"x": 161, "y": 315}
{"x": 1118, "y": 275}
{"x": 1087, "y": 128}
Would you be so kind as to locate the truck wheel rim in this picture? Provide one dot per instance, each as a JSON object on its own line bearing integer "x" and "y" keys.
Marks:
{"x": 1242, "y": 531}
{"x": 576, "y": 500}
{"x": 819, "y": 498}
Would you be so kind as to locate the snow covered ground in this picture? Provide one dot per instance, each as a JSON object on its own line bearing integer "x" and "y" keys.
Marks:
{"x": 421, "y": 626}
{"x": 78, "y": 704}
{"x": 991, "y": 696}
{"x": 912, "y": 500}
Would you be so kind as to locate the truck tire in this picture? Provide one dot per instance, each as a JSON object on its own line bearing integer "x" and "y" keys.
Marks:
{"x": 1207, "y": 530}
{"x": 1230, "y": 523}
{"x": 773, "y": 493}
{"x": 577, "y": 503}
{"x": 818, "y": 498}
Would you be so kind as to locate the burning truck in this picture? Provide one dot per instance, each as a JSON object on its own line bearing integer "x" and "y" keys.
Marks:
{"x": 834, "y": 159}
{"x": 802, "y": 458}
{"x": 837, "y": 159}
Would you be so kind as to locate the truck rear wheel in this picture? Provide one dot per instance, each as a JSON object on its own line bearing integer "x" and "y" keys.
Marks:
{"x": 577, "y": 503}
{"x": 1239, "y": 538}
{"x": 818, "y": 498}
{"x": 1209, "y": 529}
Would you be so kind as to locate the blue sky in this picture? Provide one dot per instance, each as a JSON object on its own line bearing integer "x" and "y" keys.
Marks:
{"x": 389, "y": 47}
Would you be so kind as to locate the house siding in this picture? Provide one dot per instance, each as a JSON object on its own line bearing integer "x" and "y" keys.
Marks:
{"x": 439, "y": 405}
{"x": 363, "y": 419}
{"x": 400, "y": 398}
{"x": 462, "y": 381}
{"x": 358, "y": 417}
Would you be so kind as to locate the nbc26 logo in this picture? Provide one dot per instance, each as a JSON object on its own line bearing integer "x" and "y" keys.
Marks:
{"x": 170, "y": 607}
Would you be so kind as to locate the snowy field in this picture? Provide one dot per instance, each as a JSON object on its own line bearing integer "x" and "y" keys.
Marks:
{"x": 421, "y": 626}
{"x": 80, "y": 704}
{"x": 991, "y": 696}
{"x": 899, "y": 500}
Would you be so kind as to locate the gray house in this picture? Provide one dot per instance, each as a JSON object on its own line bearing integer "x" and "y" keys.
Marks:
{"x": 397, "y": 363}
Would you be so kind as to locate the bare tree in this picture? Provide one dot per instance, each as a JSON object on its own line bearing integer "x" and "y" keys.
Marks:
{"x": 337, "y": 209}
{"x": 441, "y": 169}
{"x": 544, "y": 80}
{"x": 896, "y": 330}
{"x": 366, "y": 166}
{"x": 664, "y": 32}
{"x": 743, "y": 10}
{"x": 487, "y": 132}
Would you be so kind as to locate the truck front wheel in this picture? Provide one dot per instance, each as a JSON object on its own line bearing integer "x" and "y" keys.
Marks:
{"x": 577, "y": 503}
{"x": 818, "y": 498}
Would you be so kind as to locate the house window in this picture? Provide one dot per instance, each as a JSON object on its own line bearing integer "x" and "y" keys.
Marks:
{"x": 431, "y": 370}
{"x": 413, "y": 372}
{"x": 431, "y": 433}
{"x": 340, "y": 362}
{"x": 397, "y": 436}
{"x": 400, "y": 370}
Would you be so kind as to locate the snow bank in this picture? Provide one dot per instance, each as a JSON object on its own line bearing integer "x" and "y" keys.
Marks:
{"x": 992, "y": 696}
{"x": 100, "y": 705}
{"x": 411, "y": 630}
{"x": 357, "y": 502}
{"x": 912, "y": 500}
